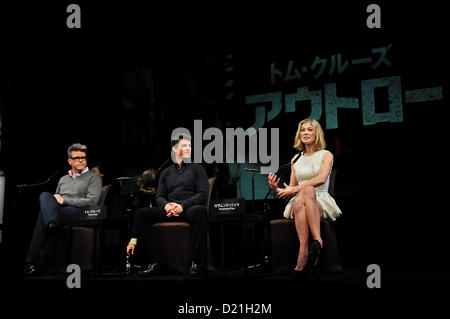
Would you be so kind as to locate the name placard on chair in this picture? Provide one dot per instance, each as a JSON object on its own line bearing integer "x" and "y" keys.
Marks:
{"x": 229, "y": 206}
{"x": 96, "y": 212}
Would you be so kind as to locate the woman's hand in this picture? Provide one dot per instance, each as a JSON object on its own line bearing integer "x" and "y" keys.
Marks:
{"x": 286, "y": 192}
{"x": 273, "y": 181}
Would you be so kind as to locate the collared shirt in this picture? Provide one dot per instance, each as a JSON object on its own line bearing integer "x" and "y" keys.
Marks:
{"x": 186, "y": 185}
{"x": 86, "y": 169}
{"x": 81, "y": 191}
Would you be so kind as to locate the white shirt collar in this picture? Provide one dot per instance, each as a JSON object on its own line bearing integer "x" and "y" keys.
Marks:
{"x": 86, "y": 169}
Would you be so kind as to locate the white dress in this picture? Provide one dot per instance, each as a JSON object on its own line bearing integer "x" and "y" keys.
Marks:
{"x": 306, "y": 168}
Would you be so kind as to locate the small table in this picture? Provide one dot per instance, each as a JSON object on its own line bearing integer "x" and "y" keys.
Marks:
{"x": 244, "y": 219}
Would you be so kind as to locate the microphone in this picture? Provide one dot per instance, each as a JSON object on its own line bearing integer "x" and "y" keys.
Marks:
{"x": 41, "y": 183}
{"x": 256, "y": 170}
{"x": 126, "y": 178}
{"x": 289, "y": 163}
{"x": 164, "y": 164}
{"x": 284, "y": 165}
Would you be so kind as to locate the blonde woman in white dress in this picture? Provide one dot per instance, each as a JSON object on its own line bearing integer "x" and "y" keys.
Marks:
{"x": 307, "y": 191}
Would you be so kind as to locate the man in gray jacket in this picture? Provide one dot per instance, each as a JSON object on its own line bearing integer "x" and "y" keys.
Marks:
{"x": 79, "y": 188}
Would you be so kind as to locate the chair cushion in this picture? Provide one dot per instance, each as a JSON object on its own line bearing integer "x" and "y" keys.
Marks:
{"x": 285, "y": 245}
{"x": 172, "y": 224}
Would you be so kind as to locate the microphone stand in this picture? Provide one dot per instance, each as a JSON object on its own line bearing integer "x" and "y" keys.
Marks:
{"x": 163, "y": 165}
{"x": 266, "y": 218}
{"x": 21, "y": 186}
{"x": 125, "y": 213}
{"x": 253, "y": 172}
{"x": 128, "y": 212}
{"x": 18, "y": 206}
{"x": 253, "y": 193}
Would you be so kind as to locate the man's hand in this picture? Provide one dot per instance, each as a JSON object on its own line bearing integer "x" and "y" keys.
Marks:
{"x": 59, "y": 199}
{"x": 178, "y": 209}
{"x": 173, "y": 209}
{"x": 168, "y": 208}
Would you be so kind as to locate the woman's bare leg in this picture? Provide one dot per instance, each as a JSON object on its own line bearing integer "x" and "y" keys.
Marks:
{"x": 302, "y": 228}
{"x": 313, "y": 212}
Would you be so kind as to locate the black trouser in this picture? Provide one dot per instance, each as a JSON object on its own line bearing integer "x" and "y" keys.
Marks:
{"x": 149, "y": 244}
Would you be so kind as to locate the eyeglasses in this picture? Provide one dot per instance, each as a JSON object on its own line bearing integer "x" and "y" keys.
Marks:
{"x": 78, "y": 159}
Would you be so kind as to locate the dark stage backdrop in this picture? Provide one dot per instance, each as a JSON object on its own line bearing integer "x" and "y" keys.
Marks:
{"x": 130, "y": 75}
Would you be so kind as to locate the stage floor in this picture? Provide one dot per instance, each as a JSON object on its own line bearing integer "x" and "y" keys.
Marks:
{"x": 169, "y": 294}
{"x": 350, "y": 277}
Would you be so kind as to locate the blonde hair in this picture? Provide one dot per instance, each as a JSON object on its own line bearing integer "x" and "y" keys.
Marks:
{"x": 320, "y": 136}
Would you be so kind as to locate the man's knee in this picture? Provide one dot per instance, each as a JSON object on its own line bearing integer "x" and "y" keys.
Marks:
{"x": 139, "y": 213}
{"x": 197, "y": 211}
{"x": 45, "y": 196}
{"x": 148, "y": 214}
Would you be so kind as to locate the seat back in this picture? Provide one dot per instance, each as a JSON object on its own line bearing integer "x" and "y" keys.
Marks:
{"x": 211, "y": 181}
{"x": 332, "y": 182}
{"x": 105, "y": 190}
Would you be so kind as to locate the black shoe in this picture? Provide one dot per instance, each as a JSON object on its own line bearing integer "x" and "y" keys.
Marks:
{"x": 304, "y": 273}
{"x": 196, "y": 270}
{"x": 32, "y": 270}
{"x": 152, "y": 269}
{"x": 314, "y": 252}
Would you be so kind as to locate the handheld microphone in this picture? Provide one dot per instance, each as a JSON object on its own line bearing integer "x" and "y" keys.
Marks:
{"x": 163, "y": 165}
{"x": 289, "y": 163}
{"x": 285, "y": 165}
{"x": 126, "y": 178}
{"x": 41, "y": 183}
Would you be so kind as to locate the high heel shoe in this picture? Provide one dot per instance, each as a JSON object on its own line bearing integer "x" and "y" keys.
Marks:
{"x": 314, "y": 252}
{"x": 305, "y": 272}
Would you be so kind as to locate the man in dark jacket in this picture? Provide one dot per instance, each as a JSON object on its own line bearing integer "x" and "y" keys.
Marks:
{"x": 181, "y": 195}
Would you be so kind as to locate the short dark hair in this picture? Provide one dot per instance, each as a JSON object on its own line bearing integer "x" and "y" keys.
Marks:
{"x": 180, "y": 137}
{"x": 76, "y": 147}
